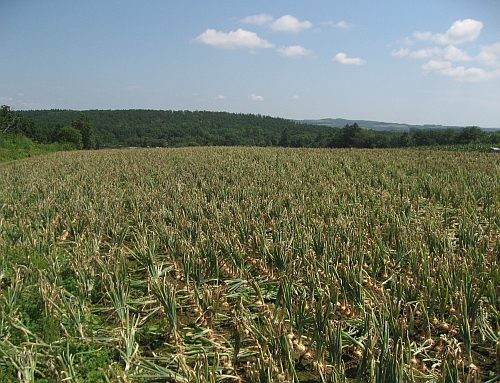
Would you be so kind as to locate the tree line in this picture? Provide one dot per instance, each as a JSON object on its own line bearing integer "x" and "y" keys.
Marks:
{"x": 79, "y": 133}
{"x": 161, "y": 128}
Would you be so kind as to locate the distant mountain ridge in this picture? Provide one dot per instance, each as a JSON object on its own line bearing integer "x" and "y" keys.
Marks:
{"x": 159, "y": 128}
{"x": 379, "y": 125}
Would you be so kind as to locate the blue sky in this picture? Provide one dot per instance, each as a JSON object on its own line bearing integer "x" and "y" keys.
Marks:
{"x": 402, "y": 61}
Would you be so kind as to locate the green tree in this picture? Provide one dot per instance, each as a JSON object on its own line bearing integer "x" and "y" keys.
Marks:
{"x": 86, "y": 130}
{"x": 70, "y": 135}
{"x": 284, "y": 138}
{"x": 348, "y": 136}
{"x": 404, "y": 139}
{"x": 10, "y": 122}
{"x": 469, "y": 134}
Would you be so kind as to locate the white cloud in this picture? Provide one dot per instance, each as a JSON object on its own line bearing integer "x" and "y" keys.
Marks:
{"x": 425, "y": 53}
{"x": 416, "y": 54}
{"x": 295, "y": 97}
{"x": 436, "y": 66}
{"x": 294, "y": 51}
{"x": 450, "y": 53}
{"x": 402, "y": 52}
{"x": 342, "y": 58}
{"x": 220, "y": 97}
{"x": 443, "y": 56}
{"x": 255, "y": 97}
{"x": 233, "y": 39}
{"x": 423, "y": 35}
{"x": 460, "y": 73}
{"x": 490, "y": 54}
{"x": 342, "y": 24}
{"x": 261, "y": 19}
{"x": 289, "y": 23}
{"x": 461, "y": 31}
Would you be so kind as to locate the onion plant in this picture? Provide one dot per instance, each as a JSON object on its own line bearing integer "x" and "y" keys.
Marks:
{"x": 250, "y": 265}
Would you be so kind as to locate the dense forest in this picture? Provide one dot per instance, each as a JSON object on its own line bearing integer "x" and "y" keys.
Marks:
{"x": 160, "y": 128}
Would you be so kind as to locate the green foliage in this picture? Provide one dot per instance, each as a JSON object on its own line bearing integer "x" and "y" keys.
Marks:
{"x": 10, "y": 122}
{"x": 469, "y": 135}
{"x": 180, "y": 128}
{"x": 152, "y": 128}
{"x": 71, "y": 136}
{"x": 17, "y": 146}
{"x": 21, "y": 137}
{"x": 82, "y": 125}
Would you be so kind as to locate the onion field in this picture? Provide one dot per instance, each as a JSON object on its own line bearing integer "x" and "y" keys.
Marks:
{"x": 250, "y": 265}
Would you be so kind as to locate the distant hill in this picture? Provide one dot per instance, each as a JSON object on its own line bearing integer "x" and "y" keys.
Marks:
{"x": 139, "y": 127}
{"x": 377, "y": 125}
{"x": 159, "y": 128}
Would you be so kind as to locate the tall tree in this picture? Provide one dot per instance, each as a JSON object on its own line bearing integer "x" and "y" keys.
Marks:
{"x": 86, "y": 130}
{"x": 70, "y": 135}
{"x": 469, "y": 134}
{"x": 10, "y": 122}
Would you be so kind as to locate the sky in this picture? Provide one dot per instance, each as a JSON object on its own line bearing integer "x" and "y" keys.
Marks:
{"x": 402, "y": 61}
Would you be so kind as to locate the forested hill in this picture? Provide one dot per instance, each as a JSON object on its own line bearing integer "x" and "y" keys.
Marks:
{"x": 124, "y": 128}
{"x": 140, "y": 127}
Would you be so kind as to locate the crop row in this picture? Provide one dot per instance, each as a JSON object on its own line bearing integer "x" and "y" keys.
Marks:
{"x": 250, "y": 264}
